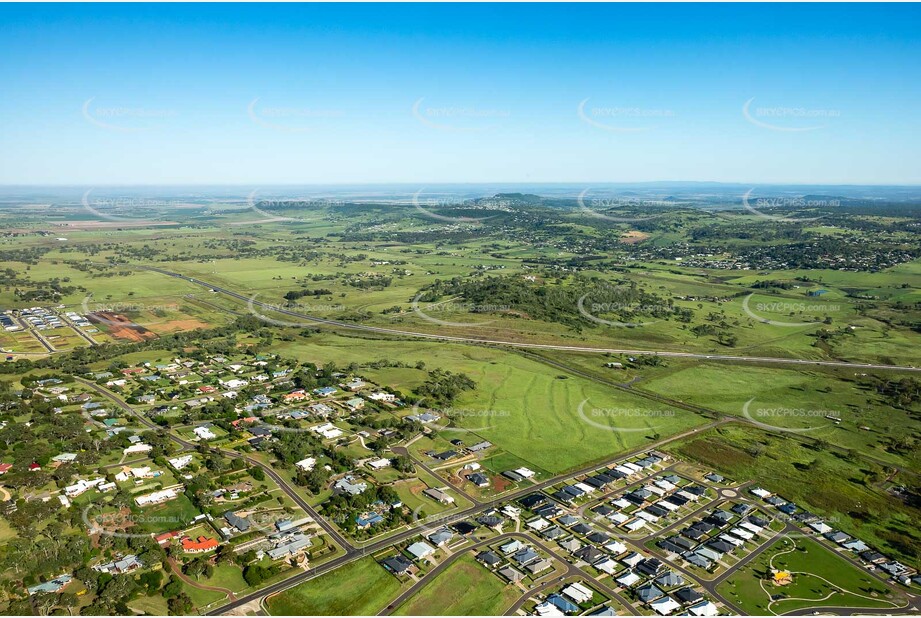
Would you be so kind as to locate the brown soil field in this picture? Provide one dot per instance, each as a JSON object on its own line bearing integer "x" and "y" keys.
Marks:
{"x": 632, "y": 237}
{"x": 121, "y": 327}
{"x": 178, "y": 325}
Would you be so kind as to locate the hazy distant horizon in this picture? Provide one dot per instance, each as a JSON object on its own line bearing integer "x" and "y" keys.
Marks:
{"x": 730, "y": 192}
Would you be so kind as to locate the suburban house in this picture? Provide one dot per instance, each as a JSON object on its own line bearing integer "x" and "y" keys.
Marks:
{"x": 439, "y": 495}
{"x": 157, "y": 497}
{"x": 420, "y": 550}
{"x": 81, "y": 486}
{"x": 204, "y": 433}
{"x": 398, "y": 564}
{"x": 199, "y": 545}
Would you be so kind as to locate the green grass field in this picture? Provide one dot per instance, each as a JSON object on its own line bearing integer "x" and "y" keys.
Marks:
{"x": 463, "y": 589}
{"x": 227, "y": 576}
{"x": 820, "y": 579}
{"x": 361, "y": 588}
{"x": 794, "y": 399}
{"x": 522, "y": 406}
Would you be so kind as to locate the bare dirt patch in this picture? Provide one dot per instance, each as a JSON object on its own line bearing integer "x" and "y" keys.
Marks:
{"x": 121, "y": 327}
{"x": 500, "y": 483}
{"x": 178, "y": 325}
{"x": 633, "y": 236}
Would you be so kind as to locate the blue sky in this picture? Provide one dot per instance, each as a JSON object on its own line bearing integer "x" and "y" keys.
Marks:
{"x": 190, "y": 94}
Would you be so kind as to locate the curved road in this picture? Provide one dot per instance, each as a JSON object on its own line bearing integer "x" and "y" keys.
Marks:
{"x": 234, "y": 455}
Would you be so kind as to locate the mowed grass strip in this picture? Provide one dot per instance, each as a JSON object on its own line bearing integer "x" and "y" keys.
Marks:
{"x": 361, "y": 588}
{"x": 463, "y": 589}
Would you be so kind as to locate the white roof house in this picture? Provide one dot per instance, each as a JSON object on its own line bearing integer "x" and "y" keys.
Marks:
{"x": 377, "y": 464}
{"x": 307, "y": 464}
{"x": 525, "y": 472}
{"x": 704, "y": 608}
{"x": 204, "y": 433}
{"x": 420, "y": 550}
{"x": 180, "y": 462}
{"x": 577, "y": 592}
{"x": 548, "y": 609}
{"x": 156, "y": 497}
{"x": 751, "y": 527}
{"x": 636, "y": 524}
{"x": 607, "y": 565}
{"x": 81, "y": 486}
{"x": 664, "y": 606}
{"x": 140, "y": 447}
{"x": 820, "y": 526}
{"x": 618, "y": 518}
{"x": 328, "y": 431}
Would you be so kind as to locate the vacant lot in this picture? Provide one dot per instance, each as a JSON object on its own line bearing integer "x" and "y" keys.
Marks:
{"x": 464, "y": 589}
{"x": 362, "y": 588}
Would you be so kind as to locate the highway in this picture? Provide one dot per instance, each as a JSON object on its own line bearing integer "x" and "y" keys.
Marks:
{"x": 250, "y": 300}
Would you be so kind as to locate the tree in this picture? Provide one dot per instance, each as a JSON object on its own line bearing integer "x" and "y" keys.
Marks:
{"x": 179, "y": 605}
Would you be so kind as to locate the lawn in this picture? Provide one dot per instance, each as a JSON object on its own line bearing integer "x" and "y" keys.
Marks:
{"x": 202, "y": 598}
{"x": 6, "y": 531}
{"x": 361, "y": 588}
{"x": 154, "y": 605}
{"x": 820, "y": 579}
{"x": 463, "y": 589}
{"x": 227, "y": 576}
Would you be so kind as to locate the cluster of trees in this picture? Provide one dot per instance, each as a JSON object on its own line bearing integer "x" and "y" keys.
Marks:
{"x": 559, "y": 302}
{"x": 62, "y": 549}
{"x": 219, "y": 340}
{"x": 370, "y": 282}
{"x": 901, "y": 392}
{"x": 442, "y": 387}
{"x": 295, "y": 294}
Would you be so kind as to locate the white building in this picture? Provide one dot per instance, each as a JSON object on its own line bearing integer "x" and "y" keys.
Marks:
{"x": 157, "y": 497}
{"x": 204, "y": 433}
{"x": 180, "y": 462}
{"x": 378, "y": 464}
{"x": 382, "y": 396}
{"x": 140, "y": 447}
{"x": 328, "y": 431}
{"x": 306, "y": 464}
{"x": 578, "y": 593}
{"x": 72, "y": 491}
